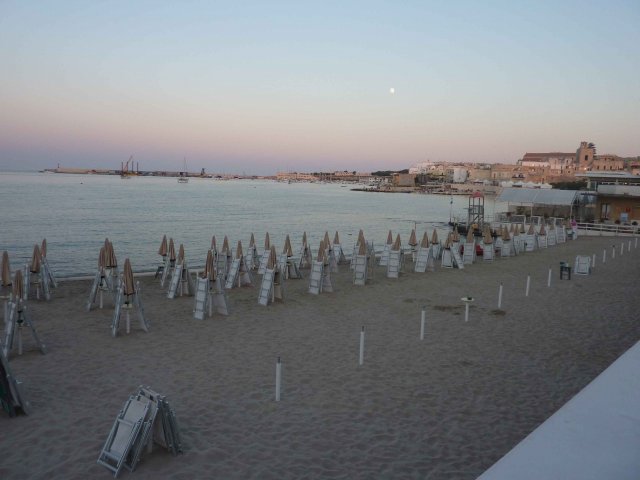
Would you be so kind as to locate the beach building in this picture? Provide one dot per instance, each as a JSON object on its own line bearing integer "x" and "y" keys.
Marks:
{"x": 618, "y": 196}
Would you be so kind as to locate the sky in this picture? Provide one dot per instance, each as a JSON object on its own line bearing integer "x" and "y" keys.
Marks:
{"x": 267, "y": 86}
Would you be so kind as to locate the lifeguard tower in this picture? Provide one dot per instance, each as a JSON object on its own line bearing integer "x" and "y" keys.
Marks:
{"x": 476, "y": 211}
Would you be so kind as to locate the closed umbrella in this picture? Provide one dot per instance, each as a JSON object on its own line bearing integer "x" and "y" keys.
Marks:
{"x": 163, "y": 247}
{"x": 102, "y": 259}
{"x": 225, "y": 246}
{"x": 336, "y": 239}
{"x": 470, "y": 236}
{"x": 413, "y": 241}
{"x": 18, "y": 285}
{"x": 531, "y": 231}
{"x": 43, "y": 248}
{"x": 321, "y": 249}
{"x": 273, "y": 258}
{"x": 505, "y": 234}
{"x": 361, "y": 240}
{"x": 239, "y": 250}
{"x": 362, "y": 249}
{"x": 327, "y": 241}
{"x": 128, "y": 284}
{"x": 214, "y": 247}
{"x": 6, "y": 270}
{"x": 542, "y": 230}
{"x": 252, "y": 241}
{"x": 396, "y": 245}
{"x": 181, "y": 254}
{"x": 267, "y": 242}
{"x": 304, "y": 239}
{"x": 449, "y": 241}
{"x": 287, "y": 247}
{"x": 35, "y": 260}
{"x": 434, "y": 237}
{"x": 425, "y": 240}
{"x": 209, "y": 267}
{"x": 172, "y": 250}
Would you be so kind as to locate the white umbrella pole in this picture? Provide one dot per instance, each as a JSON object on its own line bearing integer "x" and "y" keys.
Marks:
{"x": 604, "y": 256}
{"x": 629, "y": 246}
{"x": 278, "y": 378}
{"x": 526, "y": 291}
{"x": 128, "y": 322}
{"x": 20, "y": 340}
{"x": 549, "y": 278}
{"x": 422, "y": 321}
{"x": 100, "y": 298}
{"x": 210, "y": 305}
{"x": 361, "y": 359}
{"x": 621, "y": 249}
{"x": 500, "y": 296}
{"x": 466, "y": 312}
{"x": 613, "y": 251}
{"x": 636, "y": 246}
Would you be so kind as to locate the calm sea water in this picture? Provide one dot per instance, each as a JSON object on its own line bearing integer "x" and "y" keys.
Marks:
{"x": 76, "y": 212}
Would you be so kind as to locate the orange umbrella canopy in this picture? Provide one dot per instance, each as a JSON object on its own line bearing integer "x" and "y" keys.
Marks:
{"x": 35, "y": 260}
{"x": 434, "y": 237}
{"x": 43, "y": 248}
{"x": 6, "y": 270}
{"x": 336, "y": 239}
{"x": 172, "y": 250}
{"x": 267, "y": 242}
{"x": 413, "y": 241}
{"x": 239, "y": 249}
{"x": 163, "y": 247}
{"x": 396, "y": 245}
{"x": 287, "y": 247}
{"x": 209, "y": 267}
{"x": 128, "y": 284}
{"x": 18, "y": 285}
{"x": 214, "y": 246}
{"x": 321, "y": 249}
{"x": 181, "y": 253}
{"x": 252, "y": 241}
{"x": 389, "y": 238}
{"x": 425, "y": 240}
{"x": 273, "y": 258}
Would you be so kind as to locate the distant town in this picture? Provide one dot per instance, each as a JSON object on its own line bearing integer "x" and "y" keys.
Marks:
{"x": 536, "y": 170}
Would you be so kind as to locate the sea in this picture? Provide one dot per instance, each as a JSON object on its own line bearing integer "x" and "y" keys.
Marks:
{"x": 75, "y": 213}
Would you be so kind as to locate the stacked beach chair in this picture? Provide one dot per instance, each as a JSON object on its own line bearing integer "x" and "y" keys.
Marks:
{"x": 145, "y": 419}
{"x": 384, "y": 256}
{"x": 181, "y": 282}
{"x": 395, "y": 261}
{"x": 542, "y": 238}
{"x": 305, "y": 256}
{"x": 424, "y": 256}
{"x": 507, "y": 243}
{"x": 362, "y": 261}
{"x": 251, "y": 257}
{"x": 488, "y": 253}
{"x": 210, "y": 295}
{"x": 18, "y": 318}
{"x": 272, "y": 286}
{"x": 469, "y": 255}
{"x": 288, "y": 265}
{"x": 264, "y": 259}
{"x": 413, "y": 243}
{"x": 240, "y": 273}
{"x": 12, "y": 400}
{"x": 530, "y": 239}
{"x": 170, "y": 263}
{"x": 337, "y": 250}
{"x": 320, "y": 277}
{"x": 163, "y": 250}
{"x": 37, "y": 274}
{"x": 102, "y": 282}
{"x": 436, "y": 248}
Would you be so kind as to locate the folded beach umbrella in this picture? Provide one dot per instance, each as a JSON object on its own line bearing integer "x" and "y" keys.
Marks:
{"x": 102, "y": 259}
{"x": 434, "y": 237}
{"x": 273, "y": 257}
{"x": 225, "y": 246}
{"x": 389, "y": 238}
{"x": 449, "y": 241}
{"x": 413, "y": 241}
{"x": 542, "y": 230}
{"x": 181, "y": 254}
{"x": 321, "y": 252}
{"x": 522, "y": 229}
{"x": 304, "y": 239}
{"x": 362, "y": 249}
{"x": 163, "y": 247}
{"x": 505, "y": 234}
{"x": 397, "y": 245}
{"x": 267, "y": 242}
{"x": 18, "y": 285}
{"x": 239, "y": 250}
{"x": 43, "y": 248}
{"x": 327, "y": 241}
{"x": 487, "y": 238}
{"x": 252, "y": 241}
{"x": 128, "y": 284}
{"x": 512, "y": 229}
{"x": 532, "y": 230}
{"x": 516, "y": 233}
{"x": 35, "y": 260}
{"x": 470, "y": 236}
{"x": 214, "y": 246}
{"x": 287, "y": 247}
{"x": 456, "y": 236}
{"x": 110, "y": 254}
{"x": 172, "y": 250}
{"x": 336, "y": 239}
{"x": 209, "y": 267}
{"x": 425, "y": 240}
{"x": 361, "y": 240}
{"x": 6, "y": 270}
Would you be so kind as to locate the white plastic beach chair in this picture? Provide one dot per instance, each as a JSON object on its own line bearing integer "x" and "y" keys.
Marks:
{"x": 582, "y": 265}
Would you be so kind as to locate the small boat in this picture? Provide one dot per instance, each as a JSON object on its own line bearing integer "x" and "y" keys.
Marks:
{"x": 184, "y": 175}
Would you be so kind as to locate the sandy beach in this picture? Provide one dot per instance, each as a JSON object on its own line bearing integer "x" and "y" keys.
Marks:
{"x": 443, "y": 408}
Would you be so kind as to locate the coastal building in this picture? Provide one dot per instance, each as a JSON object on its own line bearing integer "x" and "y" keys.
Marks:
{"x": 618, "y": 196}
{"x": 403, "y": 180}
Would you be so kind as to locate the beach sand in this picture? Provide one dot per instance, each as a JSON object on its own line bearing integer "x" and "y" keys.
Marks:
{"x": 446, "y": 407}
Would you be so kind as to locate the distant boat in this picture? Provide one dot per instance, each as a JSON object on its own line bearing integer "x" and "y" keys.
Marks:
{"x": 184, "y": 176}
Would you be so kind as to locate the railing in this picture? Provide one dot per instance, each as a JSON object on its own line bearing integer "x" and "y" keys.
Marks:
{"x": 608, "y": 229}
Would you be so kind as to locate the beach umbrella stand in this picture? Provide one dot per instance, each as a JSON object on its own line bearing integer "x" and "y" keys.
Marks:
{"x": 127, "y": 299}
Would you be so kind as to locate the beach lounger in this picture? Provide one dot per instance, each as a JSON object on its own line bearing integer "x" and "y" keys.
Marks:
{"x": 123, "y": 435}
{"x": 582, "y": 265}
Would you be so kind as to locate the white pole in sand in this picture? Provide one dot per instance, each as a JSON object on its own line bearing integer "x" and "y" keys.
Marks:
{"x": 526, "y": 291}
{"x": 500, "y": 296}
{"x": 593, "y": 261}
{"x": 278, "y": 378}
{"x": 636, "y": 246}
{"x": 361, "y": 359}
{"x": 101, "y": 299}
{"x": 622, "y": 249}
{"x": 128, "y": 322}
{"x": 20, "y": 340}
{"x": 467, "y": 301}
{"x": 422, "y": 321}
{"x": 629, "y": 246}
{"x": 549, "y": 279}
{"x": 613, "y": 251}
{"x": 604, "y": 256}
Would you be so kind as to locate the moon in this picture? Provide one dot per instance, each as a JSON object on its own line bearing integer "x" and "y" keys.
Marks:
{"x": 392, "y": 90}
